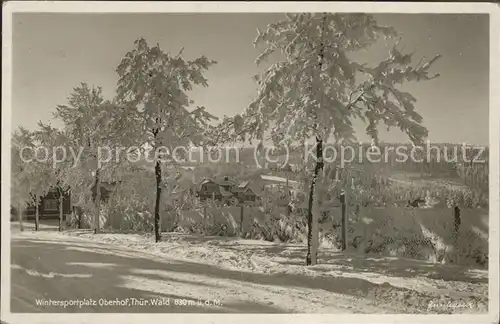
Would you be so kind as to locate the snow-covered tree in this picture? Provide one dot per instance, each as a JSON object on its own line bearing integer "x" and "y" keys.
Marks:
{"x": 31, "y": 179}
{"x": 95, "y": 128}
{"x": 58, "y": 163}
{"x": 157, "y": 83}
{"x": 316, "y": 88}
{"x": 19, "y": 194}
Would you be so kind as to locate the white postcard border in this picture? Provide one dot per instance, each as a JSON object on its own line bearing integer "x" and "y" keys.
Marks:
{"x": 143, "y": 7}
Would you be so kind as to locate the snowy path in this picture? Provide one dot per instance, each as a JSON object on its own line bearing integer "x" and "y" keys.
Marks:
{"x": 233, "y": 275}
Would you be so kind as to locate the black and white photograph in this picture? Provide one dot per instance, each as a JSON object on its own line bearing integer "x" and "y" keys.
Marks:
{"x": 318, "y": 160}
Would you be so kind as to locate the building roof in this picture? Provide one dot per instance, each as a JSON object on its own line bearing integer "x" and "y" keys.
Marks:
{"x": 226, "y": 182}
{"x": 241, "y": 187}
{"x": 207, "y": 181}
{"x": 243, "y": 184}
{"x": 235, "y": 187}
{"x": 255, "y": 188}
{"x": 278, "y": 180}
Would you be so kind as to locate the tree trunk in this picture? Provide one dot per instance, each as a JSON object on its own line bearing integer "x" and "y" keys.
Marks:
{"x": 20, "y": 217}
{"x": 312, "y": 213}
{"x": 157, "y": 202}
{"x": 344, "y": 221}
{"x": 61, "y": 204}
{"x": 37, "y": 217}
{"x": 456, "y": 233}
{"x": 312, "y": 219}
{"x": 97, "y": 214}
{"x": 288, "y": 197}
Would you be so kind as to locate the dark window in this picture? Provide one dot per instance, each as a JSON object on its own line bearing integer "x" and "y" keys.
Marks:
{"x": 210, "y": 187}
{"x": 50, "y": 204}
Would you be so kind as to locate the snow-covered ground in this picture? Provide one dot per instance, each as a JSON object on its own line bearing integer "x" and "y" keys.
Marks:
{"x": 274, "y": 273}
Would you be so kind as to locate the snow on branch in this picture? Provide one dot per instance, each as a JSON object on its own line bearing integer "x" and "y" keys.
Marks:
{"x": 300, "y": 97}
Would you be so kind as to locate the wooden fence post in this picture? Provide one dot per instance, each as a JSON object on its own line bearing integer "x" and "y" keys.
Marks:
{"x": 204, "y": 220}
{"x": 77, "y": 215}
{"x": 242, "y": 208}
{"x": 20, "y": 217}
{"x": 457, "y": 222}
{"x": 344, "y": 221}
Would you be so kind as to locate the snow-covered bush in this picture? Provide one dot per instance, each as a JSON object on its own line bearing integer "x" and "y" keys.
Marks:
{"x": 400, "y": 232}
{"x": 131, "y": 203}
{"x": 419, "y": 234}
{"x": 278, "y": 226}
{"x": 473, "y": 246}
